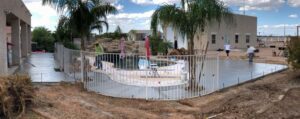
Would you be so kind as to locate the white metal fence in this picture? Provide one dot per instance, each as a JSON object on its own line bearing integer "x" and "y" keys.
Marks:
{"x": 135, "y": 76}
{"x": 69, "y": 62}
{"x": 157, "y": 78}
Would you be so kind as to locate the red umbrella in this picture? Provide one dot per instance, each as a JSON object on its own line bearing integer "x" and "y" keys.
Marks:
{"x": 147, "y": 46}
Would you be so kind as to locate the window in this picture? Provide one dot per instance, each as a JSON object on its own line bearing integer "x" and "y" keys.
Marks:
{"x": 213, "y": 39}
{"x": 247, "y": 38}
{"x": 236, "y": 38}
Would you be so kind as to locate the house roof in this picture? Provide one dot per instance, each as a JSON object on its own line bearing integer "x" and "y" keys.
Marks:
{"x": 140, "y": 31}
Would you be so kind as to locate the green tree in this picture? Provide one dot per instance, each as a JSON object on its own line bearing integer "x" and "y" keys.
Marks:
{"x": 190, "y": 18}
{"x": 44, "y": 39}
{"x": 118, "y": 30}
{"x": 83, "y": 16}
{"x": 117, "y": 34}
{"x": 158, "y": 45}
{"x": 63, "y": 33}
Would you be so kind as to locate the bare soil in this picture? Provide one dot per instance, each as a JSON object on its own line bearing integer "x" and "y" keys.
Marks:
{"x": 275, "y": 96}
{"x": 265, "y": 55}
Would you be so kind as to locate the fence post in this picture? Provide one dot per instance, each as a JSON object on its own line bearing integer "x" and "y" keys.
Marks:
{"x": 146, "y": 85}
{"x": 82, "y": 66}
{"x": 63, "y": 57}
{"x": 218, "y": 66}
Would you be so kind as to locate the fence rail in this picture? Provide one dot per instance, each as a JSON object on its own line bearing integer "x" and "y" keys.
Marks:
{"x": 135, "y": 76}
{"x": 157, "y": 78}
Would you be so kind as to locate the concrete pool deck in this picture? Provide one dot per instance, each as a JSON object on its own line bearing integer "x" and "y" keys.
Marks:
{"x": 40, "y": 67}
{"x": 232, "y": 72}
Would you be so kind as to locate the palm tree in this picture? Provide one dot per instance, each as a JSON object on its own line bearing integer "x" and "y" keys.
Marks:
{"x": 189, "y": 20}
{"x": 83, "y": 16}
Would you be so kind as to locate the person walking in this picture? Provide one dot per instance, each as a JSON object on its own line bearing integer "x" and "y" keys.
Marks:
{"x": 99, "y": 51}
{"x": 250, "y": 52}
{"x": 227, "y": 49}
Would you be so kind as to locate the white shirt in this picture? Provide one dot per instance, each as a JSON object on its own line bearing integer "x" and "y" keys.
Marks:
{"x": 227, "y": 47}
{"x": 251, "y": 50}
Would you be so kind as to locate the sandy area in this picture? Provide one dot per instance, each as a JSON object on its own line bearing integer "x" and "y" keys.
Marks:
{"x": 275, "y": 96}
{"x": 265, "y": 55}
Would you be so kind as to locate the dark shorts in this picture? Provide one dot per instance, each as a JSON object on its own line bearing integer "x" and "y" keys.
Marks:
{"x": 227, "y": 51}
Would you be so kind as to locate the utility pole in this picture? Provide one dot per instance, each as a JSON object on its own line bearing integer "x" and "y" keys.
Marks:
{"x": 244, "y": 7}
{"x": 298, "y": 27}
{"x": 284, "y": 30}
{"x": 284, "y": 38}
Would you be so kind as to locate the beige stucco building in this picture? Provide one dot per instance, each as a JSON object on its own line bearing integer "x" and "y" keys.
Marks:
{"x": 15, "y": 34}
{"x": 239, "y": 33}
{"x": 138, "y": 35}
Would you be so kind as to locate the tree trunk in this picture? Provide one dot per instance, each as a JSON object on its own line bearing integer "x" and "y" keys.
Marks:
{"x": 193, "y": 59}
{"x": 83, "y": 61}
{"x": 82, "y": 45}
{"x": 175, "y": 39}
{"x": 191, "y": 46}
{"x": 192, "y": 82}
{"x": 165, "y": 32}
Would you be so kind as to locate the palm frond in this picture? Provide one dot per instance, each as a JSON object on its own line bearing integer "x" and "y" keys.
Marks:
{"x": 99, "y": 26}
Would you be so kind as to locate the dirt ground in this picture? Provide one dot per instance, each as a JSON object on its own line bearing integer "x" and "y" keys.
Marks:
{"x": 273, "y": 96}
{"x": 265, "y": 55}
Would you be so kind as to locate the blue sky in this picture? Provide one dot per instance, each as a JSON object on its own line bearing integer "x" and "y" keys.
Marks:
{"x": 273, "y": 15}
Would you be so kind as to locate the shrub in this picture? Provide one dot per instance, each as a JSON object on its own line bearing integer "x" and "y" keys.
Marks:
{"x": 158, "y": 45}
{"x": 70, "y": 45}
{"x": 16, "y": 93}
{"x": 294, "y": 52}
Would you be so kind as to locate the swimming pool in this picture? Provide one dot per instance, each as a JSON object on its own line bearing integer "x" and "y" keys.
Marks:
{"x": 231, "y": 72}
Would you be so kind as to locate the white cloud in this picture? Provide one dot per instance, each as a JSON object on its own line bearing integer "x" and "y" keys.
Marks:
{"x": 289, "y": 26}
{"x": 47, "y": 16}
{"x": 247, "y": 5}
{"x": 263, "y": 26}
{"x": 111, "y": 1}
{"x": 119, "y": 7}
{"x": 293, "y": 16}
{"x": 294, "y": 3}
{"x": 157, "y": 2}
{"x": 42, "y": 15}
{"x": 128, "y": 21}
{"x": 278, "y": 29}
{"x": 255, "y": 4}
